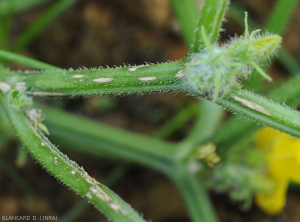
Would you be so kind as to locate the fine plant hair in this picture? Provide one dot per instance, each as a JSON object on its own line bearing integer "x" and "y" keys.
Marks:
{"x": 213, "y": 72}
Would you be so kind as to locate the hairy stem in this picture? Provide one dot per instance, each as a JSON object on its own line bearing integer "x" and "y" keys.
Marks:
{"x": 64, "y": 169}
{"x": 120, "y": 80}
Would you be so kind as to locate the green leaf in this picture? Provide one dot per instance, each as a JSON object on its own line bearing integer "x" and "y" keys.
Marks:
{"x": 25, "y": 60}
{"x": 211, "y": 19}
{"x": 187, "y": 12}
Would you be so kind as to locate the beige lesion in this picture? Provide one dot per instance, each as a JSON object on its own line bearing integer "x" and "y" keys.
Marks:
{"x": 103, "y": 80}
{"x": 78, "y": 76}
{"x": 252, "y": 105}
{"x": 5, "y": 87}
{"x": 96, "y": 190}
{"x": 180, "y": 74}
{"x": 147, "y": 78}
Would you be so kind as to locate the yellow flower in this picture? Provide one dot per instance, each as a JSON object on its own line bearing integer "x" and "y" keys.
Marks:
{"x": 283, "y": 161}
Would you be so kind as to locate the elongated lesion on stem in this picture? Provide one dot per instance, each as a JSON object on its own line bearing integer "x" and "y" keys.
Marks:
{"x": 252, "y": 105}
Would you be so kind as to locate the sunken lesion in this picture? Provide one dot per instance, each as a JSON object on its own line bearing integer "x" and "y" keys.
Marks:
{"x": 103, "y": 80}
{"x": 5, "y": 87}
{"x": 147, "y": 78}
{"x": 252, "y": 105}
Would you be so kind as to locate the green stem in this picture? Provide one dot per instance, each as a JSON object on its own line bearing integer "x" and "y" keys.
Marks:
{"x": 87, "y": 136}
{"x": 209, "y": 116}
{"x": 66, "y": 170}
{"x": 263, "y": 111}
{"x": 177, "y": 121}
{"x": 135, "y": 79}
{"x": 237, "y": 130}
{"x": 208, "y": 119}
{"x": 194, "y": 194}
